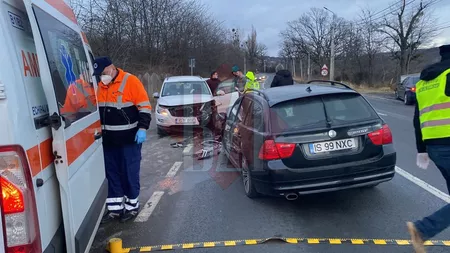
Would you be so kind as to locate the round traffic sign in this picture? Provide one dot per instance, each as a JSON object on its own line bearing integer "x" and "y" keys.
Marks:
{"x": 324, "y": 72}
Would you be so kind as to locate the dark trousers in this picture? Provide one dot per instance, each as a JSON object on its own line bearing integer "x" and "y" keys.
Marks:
{"x": 122, "y": 166}
{"x": 440, "y": 220}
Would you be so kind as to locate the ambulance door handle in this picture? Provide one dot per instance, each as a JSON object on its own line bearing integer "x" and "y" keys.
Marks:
{"x": 54, "y": 121}
{"x": 97, "y": 136}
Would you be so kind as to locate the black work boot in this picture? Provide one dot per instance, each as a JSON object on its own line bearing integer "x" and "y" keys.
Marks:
{"x": 109, "y": 216}
{"x": 128, "y": 215}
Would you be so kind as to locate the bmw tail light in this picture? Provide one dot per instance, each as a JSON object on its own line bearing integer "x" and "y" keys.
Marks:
{"x": 271, "y": 150}
{"x": 381, "y": 136}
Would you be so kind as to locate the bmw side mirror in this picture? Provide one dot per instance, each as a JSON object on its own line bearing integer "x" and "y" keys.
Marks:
{"x": 156, "y": 95}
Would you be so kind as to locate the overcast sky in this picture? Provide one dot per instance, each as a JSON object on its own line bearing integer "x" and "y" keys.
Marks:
{"x": 269, "y": 17}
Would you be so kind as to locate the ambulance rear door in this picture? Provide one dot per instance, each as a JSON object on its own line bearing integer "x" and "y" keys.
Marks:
{"x": 66, "y": 74}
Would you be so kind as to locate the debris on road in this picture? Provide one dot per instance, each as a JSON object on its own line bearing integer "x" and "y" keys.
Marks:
{"x": 209, "y": 148}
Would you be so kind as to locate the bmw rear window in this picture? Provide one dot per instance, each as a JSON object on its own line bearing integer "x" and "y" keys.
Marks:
{"x": 315, "y": 112}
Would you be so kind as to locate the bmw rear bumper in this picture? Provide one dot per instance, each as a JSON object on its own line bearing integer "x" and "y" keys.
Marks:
{"x": 300, "y": 181}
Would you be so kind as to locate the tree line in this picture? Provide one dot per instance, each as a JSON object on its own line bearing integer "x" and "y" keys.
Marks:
{"x": 161, "y": 35}
{"x": 376, "y": 48}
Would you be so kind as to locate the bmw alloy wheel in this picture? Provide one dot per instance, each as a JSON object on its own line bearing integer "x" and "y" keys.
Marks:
{"x": 249, "y": 188}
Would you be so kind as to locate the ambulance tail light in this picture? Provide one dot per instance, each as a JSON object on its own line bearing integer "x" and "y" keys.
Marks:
{"x": 18, "y": 203}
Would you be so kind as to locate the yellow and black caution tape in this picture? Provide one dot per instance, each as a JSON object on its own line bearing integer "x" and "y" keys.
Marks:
{"x": 115, "y": 244}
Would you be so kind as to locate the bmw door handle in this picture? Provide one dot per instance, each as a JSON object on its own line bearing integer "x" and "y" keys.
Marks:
{"x": 97, "y": 136}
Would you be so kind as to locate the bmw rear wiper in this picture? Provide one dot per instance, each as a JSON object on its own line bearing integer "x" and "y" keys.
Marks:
{"x": 329, "y": 121}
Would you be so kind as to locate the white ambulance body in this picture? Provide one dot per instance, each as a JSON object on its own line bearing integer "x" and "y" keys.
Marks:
{"x": 51, "y": 159}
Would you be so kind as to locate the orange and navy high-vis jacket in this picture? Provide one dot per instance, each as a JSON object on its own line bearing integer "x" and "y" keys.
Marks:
{"x": 124, "y": 107}
{"x": 80, "y": 95}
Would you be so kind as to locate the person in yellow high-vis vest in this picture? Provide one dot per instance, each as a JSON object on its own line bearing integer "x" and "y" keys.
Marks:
{"x": 249, "y": 79}
{"x": 251, "y": 83}
{"x": 432, "y": 128}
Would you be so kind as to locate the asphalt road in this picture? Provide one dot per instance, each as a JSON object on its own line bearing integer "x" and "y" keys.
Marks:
{"x": 204, "y": 201}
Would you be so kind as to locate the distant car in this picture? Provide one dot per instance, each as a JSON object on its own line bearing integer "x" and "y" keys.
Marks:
{"x": 304, "y": 139}
{"x": 229, "y": 97}
{"x": 184, "y": 101}
{"x": 406, "y": 90}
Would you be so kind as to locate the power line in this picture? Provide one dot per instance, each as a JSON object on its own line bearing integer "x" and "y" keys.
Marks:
{"x": 385, "y": 12}
{"x": 389, "y": 10}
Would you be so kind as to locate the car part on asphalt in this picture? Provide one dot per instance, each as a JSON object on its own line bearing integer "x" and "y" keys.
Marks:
{"x": 209, "y": 148}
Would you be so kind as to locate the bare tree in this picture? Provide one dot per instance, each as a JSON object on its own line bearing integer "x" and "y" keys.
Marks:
{"x": 407, "y": 29}
{"x": 254, "y": 50}
{"x": 372, "y": 40}
{"x": 156, "y": 35}
{"x": 311, "y": 34}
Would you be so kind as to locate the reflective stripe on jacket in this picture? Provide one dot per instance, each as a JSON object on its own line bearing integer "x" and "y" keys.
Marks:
{"x": 124, "y": 107}
{"x": 434, "y": 107}
{"x": 80, "y": 95}
{"x": 251, "y": 83}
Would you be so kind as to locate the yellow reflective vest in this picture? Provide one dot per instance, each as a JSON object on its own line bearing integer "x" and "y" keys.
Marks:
{"x": 251, "y": 83}
{"x": 434, "y": 107}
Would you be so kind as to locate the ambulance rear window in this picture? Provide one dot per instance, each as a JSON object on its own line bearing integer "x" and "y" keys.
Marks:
{"x": 72, "y": 83}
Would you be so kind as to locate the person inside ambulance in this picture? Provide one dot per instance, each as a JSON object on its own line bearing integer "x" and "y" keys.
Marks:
{"x": 125, "y": 115}
{"x": 80, "y": 97}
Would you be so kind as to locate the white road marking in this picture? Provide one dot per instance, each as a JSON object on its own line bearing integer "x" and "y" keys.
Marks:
{"x": 187, "y": 149}
{"x": 395, "y": 115}
{"x": 149, "y": 207}
{"x": 429, "y": 188}
{"x": 173, "y": 171}
{"x": 382, "y": 114}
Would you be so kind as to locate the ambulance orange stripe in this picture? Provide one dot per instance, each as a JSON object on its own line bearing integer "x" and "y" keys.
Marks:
{"x": 46, "y": 153}
{"x": 81, "y": 141}
{"x": 75, "y": 147}
{"x": 62, "y": 7}
{"x": 34, "y": 160}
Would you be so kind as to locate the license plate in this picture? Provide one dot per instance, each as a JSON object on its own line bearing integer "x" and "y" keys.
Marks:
{"x": 330, "y": 146}
{"x": 183, "y": 121}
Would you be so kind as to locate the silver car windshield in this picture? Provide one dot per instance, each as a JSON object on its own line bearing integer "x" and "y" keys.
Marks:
{"x": 185, "y": 88}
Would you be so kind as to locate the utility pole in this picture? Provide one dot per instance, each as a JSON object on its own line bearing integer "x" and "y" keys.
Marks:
{"x": 245, "y": 57}
{"x": 309, "y": 66}
{"x": 293, "y": 67}
{"x": 301, "y": 68}
{"x": 332, "y": 45}
{"x": 245, "y": 63}
{"x": 264, "y": 66}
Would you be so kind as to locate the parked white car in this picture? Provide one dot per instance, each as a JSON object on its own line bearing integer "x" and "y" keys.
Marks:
{"x": 183, "y": 101}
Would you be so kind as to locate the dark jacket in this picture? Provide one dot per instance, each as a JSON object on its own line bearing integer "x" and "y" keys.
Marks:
{"x": 213, "y": 84}
{"x": 282, "y": 78}
{"x": 428, "y": 74}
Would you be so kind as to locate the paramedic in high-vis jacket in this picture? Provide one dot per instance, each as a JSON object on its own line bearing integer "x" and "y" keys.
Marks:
{"x": 432, "y": 127}
{"x": 125, "y": 115}
{"x": 248, "y": 79}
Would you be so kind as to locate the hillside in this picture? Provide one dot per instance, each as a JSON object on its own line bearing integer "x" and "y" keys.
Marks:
{"x": 386, "y": 70}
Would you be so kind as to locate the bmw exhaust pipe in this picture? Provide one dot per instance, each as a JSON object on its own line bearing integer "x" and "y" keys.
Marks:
{"x": 291, "y": 196}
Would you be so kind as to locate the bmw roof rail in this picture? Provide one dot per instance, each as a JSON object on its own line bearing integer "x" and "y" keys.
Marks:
{"x": 257, "y": 91}
{"x": 333, "y": 83}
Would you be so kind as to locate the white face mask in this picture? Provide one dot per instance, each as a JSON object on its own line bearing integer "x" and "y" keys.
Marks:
{"x": 106, "y": 79}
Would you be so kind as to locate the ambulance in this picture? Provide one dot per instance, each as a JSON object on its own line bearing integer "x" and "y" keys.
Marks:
{"x": 52, "y": 173}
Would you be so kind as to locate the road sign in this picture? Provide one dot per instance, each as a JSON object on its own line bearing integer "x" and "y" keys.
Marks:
{"x": 324, "y": 70}
{"x": 192, "y": 63}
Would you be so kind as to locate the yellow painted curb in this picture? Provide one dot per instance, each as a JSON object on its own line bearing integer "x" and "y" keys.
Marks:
{"x": 115, "y": 244}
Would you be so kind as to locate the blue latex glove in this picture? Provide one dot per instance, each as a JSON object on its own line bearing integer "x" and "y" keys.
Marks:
{"x": 141, "y": 135}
